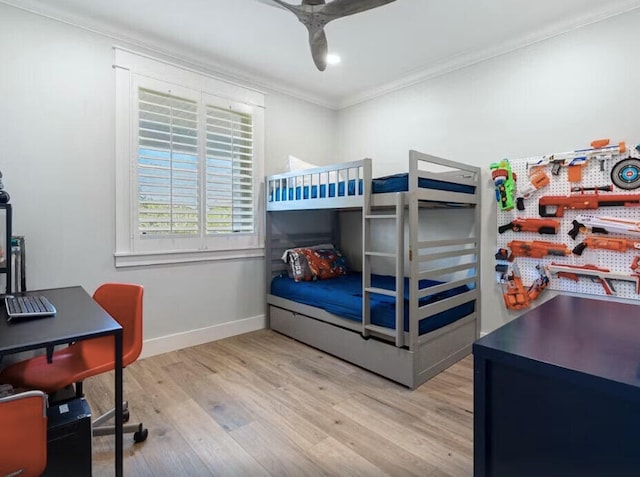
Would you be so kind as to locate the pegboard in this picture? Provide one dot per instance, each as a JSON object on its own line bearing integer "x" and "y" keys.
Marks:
{"x": 595, "y": 172}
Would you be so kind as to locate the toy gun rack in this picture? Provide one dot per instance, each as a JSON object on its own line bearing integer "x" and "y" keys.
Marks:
{"x": 584, "y": 198}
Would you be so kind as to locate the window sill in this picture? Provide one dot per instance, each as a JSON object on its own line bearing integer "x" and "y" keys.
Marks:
{"x": 141, "y": 259}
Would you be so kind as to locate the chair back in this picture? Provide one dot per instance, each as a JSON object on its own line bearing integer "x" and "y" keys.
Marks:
{"x": 123, "y": 301}
{"x": 23, "y": 434}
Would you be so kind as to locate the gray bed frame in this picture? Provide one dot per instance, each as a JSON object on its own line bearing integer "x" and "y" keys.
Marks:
{"x": 402, "y": 356}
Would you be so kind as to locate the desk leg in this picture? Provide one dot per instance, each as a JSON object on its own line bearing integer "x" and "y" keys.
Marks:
{"x": 118, "y": 403}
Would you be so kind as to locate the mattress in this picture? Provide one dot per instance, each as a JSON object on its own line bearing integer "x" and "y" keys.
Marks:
{"x": 381, "y": 185}
{"x": 400, "y": 183}
{"x": 342, "y": 296}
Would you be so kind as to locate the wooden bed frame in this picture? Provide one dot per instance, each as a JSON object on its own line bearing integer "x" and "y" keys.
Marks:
{"x": 402, "y": 356}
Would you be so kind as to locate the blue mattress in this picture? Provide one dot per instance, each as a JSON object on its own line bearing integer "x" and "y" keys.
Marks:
{"x": 394, "y": 183}
{"x": 342, "y": 296}
{"x": 400, "y": 183}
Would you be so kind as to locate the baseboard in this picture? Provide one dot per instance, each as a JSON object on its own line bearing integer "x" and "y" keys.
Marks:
{"x": 165, "y": 344}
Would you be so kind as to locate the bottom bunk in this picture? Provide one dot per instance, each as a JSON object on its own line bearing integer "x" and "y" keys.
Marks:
{"x": 327, "y": 315}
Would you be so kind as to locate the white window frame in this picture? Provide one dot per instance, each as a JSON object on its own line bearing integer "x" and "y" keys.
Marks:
{"x": 132, "y": 71}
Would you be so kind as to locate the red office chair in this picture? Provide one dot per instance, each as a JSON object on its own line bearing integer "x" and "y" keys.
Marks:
{"x": 23, "y": 435}
{"x": 87, "y": 358}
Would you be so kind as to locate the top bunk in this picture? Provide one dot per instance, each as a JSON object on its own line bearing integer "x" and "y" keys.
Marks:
{"x": 429, "y": 179}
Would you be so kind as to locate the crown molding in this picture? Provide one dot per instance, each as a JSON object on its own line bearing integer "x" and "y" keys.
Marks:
{"x": 609, "y": 10}
{"x": 202, "y": 63}
{"x": 211, "y": 66}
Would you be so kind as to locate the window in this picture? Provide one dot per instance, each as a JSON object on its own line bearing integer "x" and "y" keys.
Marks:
{"x": 189, "y": 158}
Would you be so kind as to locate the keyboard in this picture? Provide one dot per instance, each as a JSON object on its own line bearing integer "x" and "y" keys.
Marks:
{"x": 28, "y": 306}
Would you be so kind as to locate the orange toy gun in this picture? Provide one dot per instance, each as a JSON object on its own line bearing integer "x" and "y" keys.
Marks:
{"x": 596, "y": 274}
{"x": 537, "y": 249}
{"x": 605, "y": 243}
{"x": 541, "y": 226}
{"x": 514, "y": 294}
{"x": 537, "y": 180}
{"x": 560, "y": 203}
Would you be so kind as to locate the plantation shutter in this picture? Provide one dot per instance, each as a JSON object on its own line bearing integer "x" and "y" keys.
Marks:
{"x": 229, "y": 171}
{"x": 189, "y": 158}
{"x": 168, "y": 166}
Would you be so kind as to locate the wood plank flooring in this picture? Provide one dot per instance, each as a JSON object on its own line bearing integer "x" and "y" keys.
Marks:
{"x": 261, "y": 404}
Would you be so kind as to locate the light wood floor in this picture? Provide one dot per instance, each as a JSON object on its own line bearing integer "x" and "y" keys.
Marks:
{"x": 261, "y": 404}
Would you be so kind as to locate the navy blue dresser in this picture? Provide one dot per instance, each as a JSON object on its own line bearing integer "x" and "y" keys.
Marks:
{"x": 557, "y": 392}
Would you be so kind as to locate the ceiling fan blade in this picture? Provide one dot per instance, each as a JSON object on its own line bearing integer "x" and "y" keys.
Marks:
{"x": 275, "y": 3}
{"x": 343, "y": 8}
{"x": 319, "y": 48}
{"x": 314, "y": 14}
{"x": 299, "y": 11}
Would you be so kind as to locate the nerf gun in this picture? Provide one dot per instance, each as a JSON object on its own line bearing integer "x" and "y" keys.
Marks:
{"x": 504, "y": 181}
{"x": 582, "y": 190}
{"x": 604, "y": 225}
{"x": 559, "y": 203}
{"x": 575, "y": 160}
{"x": 605, "y": 243}
{"x": 537, "y": 180}
{"x": 596, "y": 274}
{"x": 514, "y": 294}
{"x": 537, "y": 249}
{"x": 541, "y": 226}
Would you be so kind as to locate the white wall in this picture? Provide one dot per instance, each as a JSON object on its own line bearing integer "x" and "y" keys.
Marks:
{"x": 303, "y": 130}
{"x": 557, "y": 95}
{"x": 57, "y": 156}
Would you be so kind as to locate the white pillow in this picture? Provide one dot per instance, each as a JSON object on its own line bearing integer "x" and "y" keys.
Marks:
{"x": 296, "y": 165}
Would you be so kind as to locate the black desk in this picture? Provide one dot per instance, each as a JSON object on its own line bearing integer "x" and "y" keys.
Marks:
{"x": 78, "y": 317}
{"x": 557, "y": 392}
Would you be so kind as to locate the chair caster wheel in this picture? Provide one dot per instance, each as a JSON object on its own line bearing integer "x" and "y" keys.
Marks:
{"x": 140, "y": 435}
{"x": 125, "y": 415}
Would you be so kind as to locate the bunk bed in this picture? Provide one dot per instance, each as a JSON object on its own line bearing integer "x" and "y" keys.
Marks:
{"x": 408, "y": 325}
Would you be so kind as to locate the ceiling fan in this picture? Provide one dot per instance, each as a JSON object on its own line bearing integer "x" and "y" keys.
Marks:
{"x": 315, "y": 14}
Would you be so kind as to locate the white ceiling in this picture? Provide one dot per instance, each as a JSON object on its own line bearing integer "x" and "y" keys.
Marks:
{"x": 381, "y": 49}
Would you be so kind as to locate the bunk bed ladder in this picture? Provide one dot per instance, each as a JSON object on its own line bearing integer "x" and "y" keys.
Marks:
{"x": 414, "y": 253}
{"x": 398, "y": 255}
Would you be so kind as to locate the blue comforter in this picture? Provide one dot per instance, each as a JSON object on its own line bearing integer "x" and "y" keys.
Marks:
{"x": 342, "y": 296}
{"x": 394, "y": 183}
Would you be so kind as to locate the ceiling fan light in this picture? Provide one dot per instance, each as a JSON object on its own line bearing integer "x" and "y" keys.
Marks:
{"x": 333, "y": 59}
